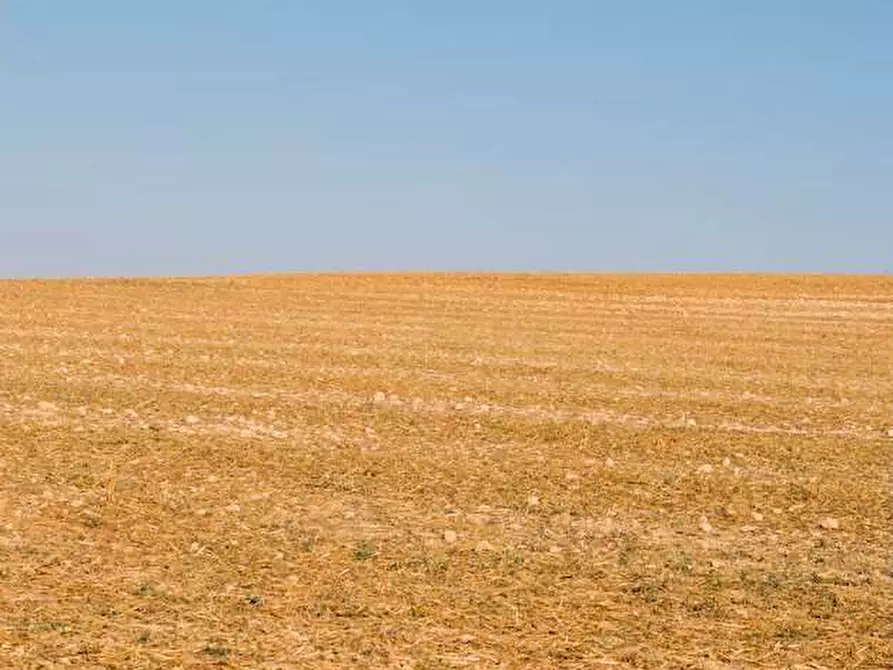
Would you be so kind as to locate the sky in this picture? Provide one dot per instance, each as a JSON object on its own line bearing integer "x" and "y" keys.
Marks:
{"x": 206, "y": 137}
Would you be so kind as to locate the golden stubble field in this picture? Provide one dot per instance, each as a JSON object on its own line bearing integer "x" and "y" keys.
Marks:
{"x": 447, "y": 471}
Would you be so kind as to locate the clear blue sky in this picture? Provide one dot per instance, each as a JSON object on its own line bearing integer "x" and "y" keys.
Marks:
{"x": 206, "y": 137}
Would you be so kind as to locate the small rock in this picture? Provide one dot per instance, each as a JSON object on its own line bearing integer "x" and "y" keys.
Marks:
{"x": 705, "y": 469}
{"x": 609, "y": 463}
{"x": 193, "y": 420}
{"x": 554, "y": 549}
{"x": 533, "y": 500}
{"x": 45, "y": 406}
{"x": 829, "y": 523}
{"x": 704, "y": 525}
{"x": 379, "y": 398}
{"x": 756, "y": 516}
{"x": 571, "y": 476}
{"x": 234, "y": 508}
{"x": 450, "y": 536}
{"x": 691, "y": 423}
{"x": 726, "y": 462}
{"x": 890, "y": 433}
{"x": 466, "y": 639}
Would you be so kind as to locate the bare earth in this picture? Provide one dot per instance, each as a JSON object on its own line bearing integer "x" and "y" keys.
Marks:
{"x": 447, "y": 471}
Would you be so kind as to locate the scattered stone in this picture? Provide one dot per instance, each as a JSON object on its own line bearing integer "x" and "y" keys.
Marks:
{"x": 829, "y": 523}
{"x": 450, "y": 536}
{"x": 704, "y": 525}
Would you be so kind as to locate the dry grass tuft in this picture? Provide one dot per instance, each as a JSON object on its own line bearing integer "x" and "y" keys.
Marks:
{"x": 446, "y": 471}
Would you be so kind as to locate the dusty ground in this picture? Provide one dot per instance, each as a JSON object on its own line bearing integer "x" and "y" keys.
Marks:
{"x": 437, "y": 472}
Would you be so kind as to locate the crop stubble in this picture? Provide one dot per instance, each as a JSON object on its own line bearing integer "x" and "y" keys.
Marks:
{"x": 446, "y": 471}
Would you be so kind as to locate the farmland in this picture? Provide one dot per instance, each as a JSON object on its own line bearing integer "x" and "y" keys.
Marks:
{"x": 442, "y": 471}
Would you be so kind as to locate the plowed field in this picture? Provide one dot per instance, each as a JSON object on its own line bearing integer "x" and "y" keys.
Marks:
{"x": 447, "y": 471}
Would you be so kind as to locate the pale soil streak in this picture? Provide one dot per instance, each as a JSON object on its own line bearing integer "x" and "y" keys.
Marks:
{"x": 50, "y": 414}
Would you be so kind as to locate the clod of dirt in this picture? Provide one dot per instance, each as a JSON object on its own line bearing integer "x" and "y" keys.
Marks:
{"x": 829, "y": 523}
